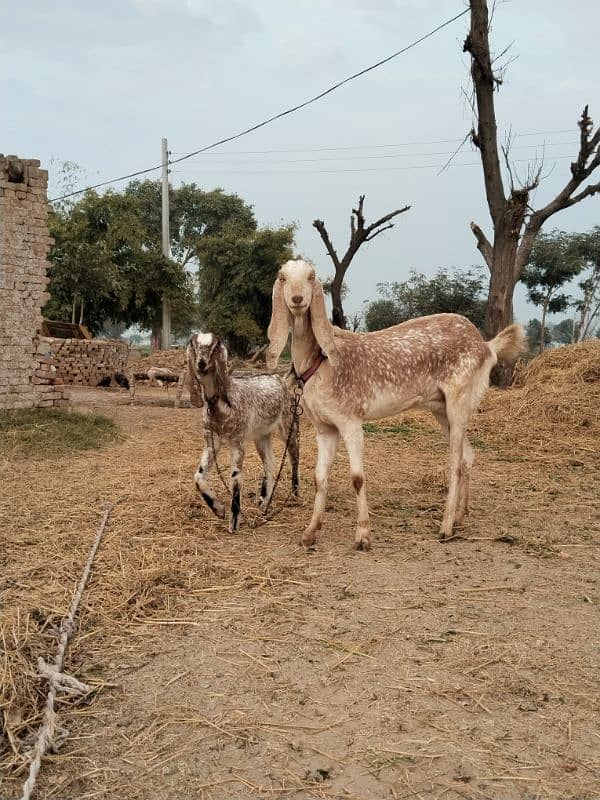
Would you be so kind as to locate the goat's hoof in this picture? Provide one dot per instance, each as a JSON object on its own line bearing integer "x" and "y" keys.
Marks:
{"x": 308, "y": 540}
{"x": 363, "y": 544}
{"x": 447, "y": 537}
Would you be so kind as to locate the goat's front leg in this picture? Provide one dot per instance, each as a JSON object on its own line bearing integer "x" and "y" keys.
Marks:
{"x": 264, "y": 447}
{"x": 207, "y": 460}
{"x": 327, "y": 442}
{"x": 353, "y": 437}
{"x": 237, "y": 462}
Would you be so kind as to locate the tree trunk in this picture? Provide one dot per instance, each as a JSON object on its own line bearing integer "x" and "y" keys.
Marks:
{"x": 155, "y": 339}
{"x": 73, "y": 309}
{"x": 81, "y": 312}
{"x": 498, "y": 312}
{"x": 337, "y": 313}
{"x": 543, "y": 325}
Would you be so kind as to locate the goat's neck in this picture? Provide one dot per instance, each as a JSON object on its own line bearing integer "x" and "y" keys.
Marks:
{"x": 305, "y": 348}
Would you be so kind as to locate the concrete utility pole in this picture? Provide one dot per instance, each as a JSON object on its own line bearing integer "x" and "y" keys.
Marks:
{"x": 166, "y": 248}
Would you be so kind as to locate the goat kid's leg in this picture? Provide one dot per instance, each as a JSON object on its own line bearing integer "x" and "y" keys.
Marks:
{"x": 327, "y": 442}
{"x": 207, "y": 461}
{"x": 264, "y": 447}
{"x": 237, "y": 461}
{"x": 354, "y": 440}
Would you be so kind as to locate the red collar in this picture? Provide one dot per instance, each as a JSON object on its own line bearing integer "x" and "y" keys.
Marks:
{"x": 311, "y": 370}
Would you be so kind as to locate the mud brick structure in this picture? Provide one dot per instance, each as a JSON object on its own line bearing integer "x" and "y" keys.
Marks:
{"x": 86, "y": 361}
{"x": 28, "y": 377}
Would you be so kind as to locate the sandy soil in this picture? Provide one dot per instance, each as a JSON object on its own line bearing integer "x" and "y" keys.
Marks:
{"x": 241, "y": 666}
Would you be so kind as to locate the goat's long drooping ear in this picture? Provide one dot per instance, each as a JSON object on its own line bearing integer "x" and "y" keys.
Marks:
{"x": 279, "y": 327}
{"x": 322, "y": 327}
{"x": 218, "y": 356}
{"x": 191, "y": 357}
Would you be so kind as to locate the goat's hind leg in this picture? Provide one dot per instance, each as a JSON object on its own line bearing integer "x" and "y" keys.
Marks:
{"x": 264, "y": 447}
{"x": 457, "y": 415}
{"x": 237, "y": 462}
{"x": 354, "y": 440}
{"x": 207, "y": 461}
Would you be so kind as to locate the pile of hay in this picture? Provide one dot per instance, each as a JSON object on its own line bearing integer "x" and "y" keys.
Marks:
{"x": 555, "y": 394}
{"x": 169, "y": 359}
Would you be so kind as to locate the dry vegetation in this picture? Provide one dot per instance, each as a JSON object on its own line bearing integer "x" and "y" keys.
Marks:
{"x": 241, "y": 666}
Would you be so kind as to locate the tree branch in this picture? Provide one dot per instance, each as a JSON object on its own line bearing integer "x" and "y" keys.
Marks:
{"x": 483, "y": 245}
{"x": 384, "y": 219}
{"x": 381, "y": 230}
{"x": 320, "y": 226}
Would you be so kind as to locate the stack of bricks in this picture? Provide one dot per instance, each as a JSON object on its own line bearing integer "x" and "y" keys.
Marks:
{"x": 86, "y": 361}
{"x": 24, "y": 244}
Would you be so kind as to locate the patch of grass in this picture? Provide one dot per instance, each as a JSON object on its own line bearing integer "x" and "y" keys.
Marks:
{"x": 48, "y": 432}
{"x": 405, "y": 430}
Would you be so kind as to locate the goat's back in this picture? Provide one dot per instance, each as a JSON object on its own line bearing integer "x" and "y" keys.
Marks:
{"x": 419, "y": 353}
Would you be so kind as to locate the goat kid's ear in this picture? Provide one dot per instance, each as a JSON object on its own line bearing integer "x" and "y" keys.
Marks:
{"x": 322, "y": 327}
{"x": 279, "y": 327}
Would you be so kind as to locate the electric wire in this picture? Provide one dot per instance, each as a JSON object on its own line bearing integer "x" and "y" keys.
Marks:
{"x": 268, "y": 121}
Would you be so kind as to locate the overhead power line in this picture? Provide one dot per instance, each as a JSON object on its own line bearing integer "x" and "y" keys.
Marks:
{"x": 369, "y": 146}
{"x": 281, "y": 114}
{"x": 381, "y": 156}
{"x": 361, "y": 169}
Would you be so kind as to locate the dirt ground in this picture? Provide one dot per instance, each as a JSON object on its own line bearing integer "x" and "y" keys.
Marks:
{"x": 241, "y": 666}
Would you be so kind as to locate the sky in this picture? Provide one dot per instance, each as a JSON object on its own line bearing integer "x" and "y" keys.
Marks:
{"x": 99, "y": 83}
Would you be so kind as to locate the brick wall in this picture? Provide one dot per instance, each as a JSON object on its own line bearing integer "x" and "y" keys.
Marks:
{"x": 85, "y": 361}
{"x": 26, "y": 377}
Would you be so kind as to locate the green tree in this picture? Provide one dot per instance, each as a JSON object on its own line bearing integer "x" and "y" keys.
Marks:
{"x": 588, "y": 306}
{"x": 107, "y": 261}
{"x": 193, "y": 214}
{"x": 533, "y": 331}
{"x": 555, "y": 259}
{"x": 236, "y": 274}
{"x": 564, "y": 331}
{"x": 102, "y": 268}
{"x": 458, "y": 292}
{"x": 381, "y": 314}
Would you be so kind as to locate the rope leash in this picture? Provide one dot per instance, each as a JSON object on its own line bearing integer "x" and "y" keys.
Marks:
{"x": 50, "y": 736}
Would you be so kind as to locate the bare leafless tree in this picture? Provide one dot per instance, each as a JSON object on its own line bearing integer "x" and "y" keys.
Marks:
{"x": 515, "y": 222}
{"x": 359, "y": 233}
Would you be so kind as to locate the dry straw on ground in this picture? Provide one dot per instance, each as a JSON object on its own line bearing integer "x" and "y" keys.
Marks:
{"x": 247, "y": 665}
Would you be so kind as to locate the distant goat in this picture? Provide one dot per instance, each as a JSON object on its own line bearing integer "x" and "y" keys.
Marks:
{"x": 439, "y": 363}
{"x": 238, "y": 410}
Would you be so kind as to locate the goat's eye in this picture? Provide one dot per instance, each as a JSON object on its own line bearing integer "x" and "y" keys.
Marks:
{"x": 282, "y": 278}
{"x": 311, "y": 277}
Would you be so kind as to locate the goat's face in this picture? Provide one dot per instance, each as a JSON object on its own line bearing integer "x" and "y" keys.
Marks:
{"x": 297, "y": 279}
{"x": 202, "y": 350}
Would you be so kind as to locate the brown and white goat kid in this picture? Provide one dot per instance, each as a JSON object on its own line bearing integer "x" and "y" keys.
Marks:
{"x": 439, "y": 363}
{"x": 238, "y": 410}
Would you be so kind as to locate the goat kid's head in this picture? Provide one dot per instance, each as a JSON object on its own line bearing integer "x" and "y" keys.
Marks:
{"x": 207, "y": 355}
{"x": 298, "y": 292}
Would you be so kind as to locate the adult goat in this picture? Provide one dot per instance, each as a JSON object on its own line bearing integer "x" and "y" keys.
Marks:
{"x": 238, "y": 410}
{"x": 439, "y": 363}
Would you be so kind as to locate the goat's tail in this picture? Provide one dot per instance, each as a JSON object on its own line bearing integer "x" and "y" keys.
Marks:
{"x": 509, "y": 343}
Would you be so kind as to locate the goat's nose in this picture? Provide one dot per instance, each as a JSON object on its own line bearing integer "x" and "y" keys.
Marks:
{"x": 201, "y": 364}
{"x": 297, "y": 299}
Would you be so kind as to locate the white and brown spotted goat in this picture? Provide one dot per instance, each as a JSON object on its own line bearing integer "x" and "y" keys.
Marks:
{"x": 238, "y": 410}
{"x": 439, "y": 363}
